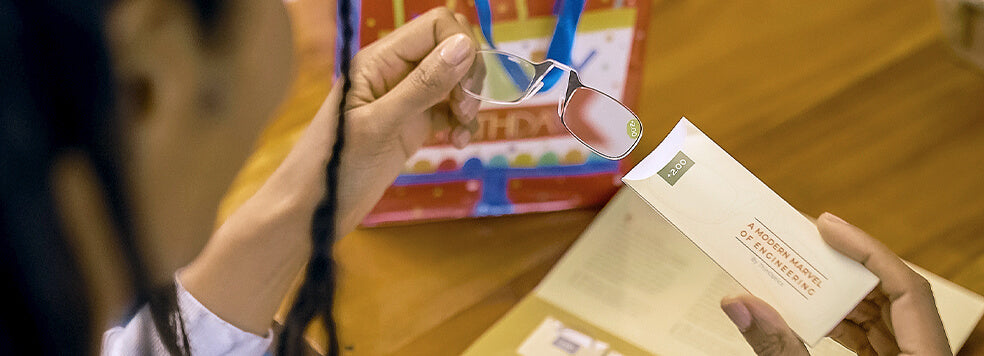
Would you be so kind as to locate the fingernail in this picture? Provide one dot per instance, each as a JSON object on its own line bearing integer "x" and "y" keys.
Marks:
{"x": 738, "y": 314}
{"x": 455, "y": 49}
{"x": 460, "y": 137}
{"x": 834, "y": 218}
{"x": 467, "y": 110}
{"x": 459, "y": 107}
{"x": 466, "y": 84}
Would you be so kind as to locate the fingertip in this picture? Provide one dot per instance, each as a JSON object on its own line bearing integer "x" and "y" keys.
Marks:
{"x": 737, "y": 312}
{"x": 830, "y": 217}
{"x": 456, "y": 49}
{"x": 832, "y": 229}
{"x": 730, "y": 299}
{"x": 766, "y": 317}
{"x": 462, "y": 19}
{"x": 469, "y": 111}
{"x": 460, "y": 120}
{"x": 460, "y": 137}
{"x": 461, "y": 111}
{"x": 472, "y": 123}
{"x": 846, "y": 238}
{"x": 762, "y": 326}
{"x": 463, "y": 106}
{"x": 808, "y": 217}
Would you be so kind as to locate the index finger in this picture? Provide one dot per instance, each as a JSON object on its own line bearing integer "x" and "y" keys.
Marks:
{"x": 896, "y": 277}
{"x": 917, "y": 324}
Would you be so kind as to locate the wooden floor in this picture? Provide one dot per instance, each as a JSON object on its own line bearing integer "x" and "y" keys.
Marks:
{"x": 857, "y": 107}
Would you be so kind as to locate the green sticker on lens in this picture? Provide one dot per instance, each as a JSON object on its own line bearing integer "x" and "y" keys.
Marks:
{"x": 632, "y": 128}
{"x": 679, "y": 165}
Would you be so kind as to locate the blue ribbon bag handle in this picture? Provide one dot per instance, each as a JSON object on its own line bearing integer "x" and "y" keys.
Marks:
{"x": 560, "y": 45}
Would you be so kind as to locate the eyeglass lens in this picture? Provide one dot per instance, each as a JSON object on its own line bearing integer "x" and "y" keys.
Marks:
{"x": 499, "y": 77}
{"x": 601, "y": 122}
{"x": 598, "y": 120}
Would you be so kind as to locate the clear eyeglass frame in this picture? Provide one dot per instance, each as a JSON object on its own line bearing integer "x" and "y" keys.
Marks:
{"x": 539, "y": 71}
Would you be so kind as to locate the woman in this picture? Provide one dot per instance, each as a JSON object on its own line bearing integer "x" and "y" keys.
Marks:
{"x": 143, "y": 109}
{"x": 196, "y": 81}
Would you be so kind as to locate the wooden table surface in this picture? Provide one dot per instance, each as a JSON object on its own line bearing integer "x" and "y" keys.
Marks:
{"x": 857, "y": 107}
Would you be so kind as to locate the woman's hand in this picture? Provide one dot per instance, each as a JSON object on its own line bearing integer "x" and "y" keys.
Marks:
{"x": 898, "y": 317}
{"x": 404, "y": 88}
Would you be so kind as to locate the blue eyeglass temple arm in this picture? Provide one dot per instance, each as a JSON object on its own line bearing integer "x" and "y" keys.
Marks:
{"x": 568, "y": 14}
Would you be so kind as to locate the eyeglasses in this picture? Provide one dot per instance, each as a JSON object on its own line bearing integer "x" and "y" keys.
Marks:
{"x": 596, "y": 119}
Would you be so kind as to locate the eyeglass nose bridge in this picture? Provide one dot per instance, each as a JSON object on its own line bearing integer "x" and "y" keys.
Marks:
{"x": 540, "y": 71}
{"x": 573, "y": 83}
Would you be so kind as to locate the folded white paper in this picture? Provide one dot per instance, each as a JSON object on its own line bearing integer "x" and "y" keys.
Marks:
{"x": 771, "y": 249}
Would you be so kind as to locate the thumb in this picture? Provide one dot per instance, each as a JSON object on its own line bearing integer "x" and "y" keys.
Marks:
{"x": 762, "y": 327}
{"x": 431, "y": 81}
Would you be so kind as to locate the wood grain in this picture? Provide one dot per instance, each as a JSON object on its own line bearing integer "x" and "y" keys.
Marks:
{"x": 857, "y": 107}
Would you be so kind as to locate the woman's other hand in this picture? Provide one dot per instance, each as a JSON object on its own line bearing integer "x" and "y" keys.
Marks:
{"x": 898, "y": 317}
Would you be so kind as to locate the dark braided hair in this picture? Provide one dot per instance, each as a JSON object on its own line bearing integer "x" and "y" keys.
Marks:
{"x": 58, "y": 95}
{"x": 48, "y": 107}
{"x": 316, "y": 296}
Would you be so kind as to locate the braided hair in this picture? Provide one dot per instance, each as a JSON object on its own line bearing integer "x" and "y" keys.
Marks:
{"x": 316, "y": 296}
{"x": 58, "y": 95}
{"x": 50, "y": 107}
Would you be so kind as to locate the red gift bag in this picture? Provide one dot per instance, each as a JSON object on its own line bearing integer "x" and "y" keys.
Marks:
{"x": 521, "y": 159}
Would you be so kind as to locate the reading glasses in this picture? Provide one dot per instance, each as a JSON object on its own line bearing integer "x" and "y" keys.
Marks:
{"x": 594, "y": 118}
